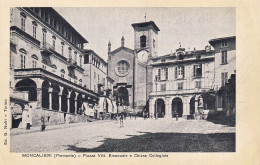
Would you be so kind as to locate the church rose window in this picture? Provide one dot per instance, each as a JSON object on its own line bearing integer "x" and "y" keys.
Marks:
{"x": 122, "y": 68}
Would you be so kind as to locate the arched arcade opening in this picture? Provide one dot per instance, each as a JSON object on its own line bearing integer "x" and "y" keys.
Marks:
{"x": 28, "y": 85}
{"x": 160, "y": 107}
{"x": 177, "y": 106}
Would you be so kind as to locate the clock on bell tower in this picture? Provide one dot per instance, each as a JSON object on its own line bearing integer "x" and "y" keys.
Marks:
{"x": 146, "y": 40}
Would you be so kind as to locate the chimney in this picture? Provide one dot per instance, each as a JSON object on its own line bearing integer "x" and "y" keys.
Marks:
{"x": 122, "y": 41}
{"x": 109, "y": 47}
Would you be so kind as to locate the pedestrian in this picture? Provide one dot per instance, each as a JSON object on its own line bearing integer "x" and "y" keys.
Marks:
{"x": 43, "y": 123}
{"x": 28, "y": 123}
{"x": 176, "y": 115}
{"x": 121, "y": 120}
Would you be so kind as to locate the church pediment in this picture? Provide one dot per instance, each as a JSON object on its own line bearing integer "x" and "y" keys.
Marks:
{"x": 122, "y": 49}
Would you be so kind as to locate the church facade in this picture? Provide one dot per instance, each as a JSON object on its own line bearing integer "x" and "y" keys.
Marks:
{"x": 132, "y": 70}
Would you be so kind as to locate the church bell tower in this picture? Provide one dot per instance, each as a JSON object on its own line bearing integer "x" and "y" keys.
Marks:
{"x": 146, "y": 40}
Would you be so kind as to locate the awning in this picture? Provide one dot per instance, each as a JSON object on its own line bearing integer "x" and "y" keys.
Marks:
{"x": 89, "y": 111}
{"x": 101, "y": 104}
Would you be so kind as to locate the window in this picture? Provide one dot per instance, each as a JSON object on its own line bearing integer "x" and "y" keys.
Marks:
{"x": 94, "y": 88}
{"x": 80, "y": 60}
{"x": 94, "y": 75}
{"x": 224, "y": 78}
{"x": 98, "y": 78}
{"x": 163, "y": 74}
{"x": 179, "y": 72}
{"x": 197, "y": 70}
{"x": 153, "y": 43}
{"x": 34, "y": 63}
{"x": 224, "y": 57}
{"x": 86, "y": 59}
{"x": 159, "y": 74}
{"x": 23, "y": 23}
{"x": 180, "y": 57}
{"x": 143, "y": 41}
{"x": 163, "y": 87}
{"x": 62, "y": 48}
{"x": 75, "y": 56}
{"x": 62, "y": 75}
{"x": 22, "y": 61}
{"x": 122, "y": 68}
{"x": 180, "y": 86}
{"x": 53, "y": 43}
{"x": 34, "y": 31}
{"x": 70, "y": 53}
{"x": 224, "y": 44}
{"x": 44, "y": 39}
{"x": 198, "y": 84}
{"x": 166, "y": 73}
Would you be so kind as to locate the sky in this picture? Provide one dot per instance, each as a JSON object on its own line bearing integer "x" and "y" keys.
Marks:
{"x": 192, "y": 27}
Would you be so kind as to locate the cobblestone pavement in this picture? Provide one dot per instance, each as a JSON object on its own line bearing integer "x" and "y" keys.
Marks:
{"x": 162, "y": 135}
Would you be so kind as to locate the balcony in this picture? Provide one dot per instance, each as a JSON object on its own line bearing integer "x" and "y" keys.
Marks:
{"x": 72, "y": 63}
{"x": 47, "y": 48}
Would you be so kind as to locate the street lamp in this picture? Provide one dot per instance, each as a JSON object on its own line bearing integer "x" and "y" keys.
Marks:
{"x": 156, "y": 79}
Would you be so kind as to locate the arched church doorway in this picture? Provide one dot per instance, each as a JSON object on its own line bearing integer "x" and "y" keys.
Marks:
{"x": 122, "y": 97}
{"x": 177, "y": 106}
{"x": 160, "y": 107}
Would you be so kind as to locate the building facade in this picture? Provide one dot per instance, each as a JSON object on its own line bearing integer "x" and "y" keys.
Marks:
{"x": 46, "y": 61}
{"x": 97, "y": 80}
{"x": 182, "y": 82}
{"x": 225, "y": 74}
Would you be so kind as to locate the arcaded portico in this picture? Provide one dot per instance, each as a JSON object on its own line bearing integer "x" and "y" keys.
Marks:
{"x": 186, "y": 105}
{"x": 59, "y": 101}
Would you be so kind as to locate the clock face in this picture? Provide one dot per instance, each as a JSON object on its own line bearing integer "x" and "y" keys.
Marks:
{"x": 142, "y": 56}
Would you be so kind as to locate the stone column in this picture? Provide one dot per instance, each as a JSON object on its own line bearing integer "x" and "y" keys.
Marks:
{"x": 39, "y": 82}
{"x": 76, "y": 106}
{"x": 168, "y": 108}
{"x": 60, "y": 102}
{"x": 39, "y": 97}
{"x": 185, "y": 108}
{"x": 196, "y": 106}
{"x": 50, "y": 98}
{"x": 60, "y": 94}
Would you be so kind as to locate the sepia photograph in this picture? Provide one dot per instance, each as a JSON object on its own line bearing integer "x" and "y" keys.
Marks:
{"x": 114, "y": 79}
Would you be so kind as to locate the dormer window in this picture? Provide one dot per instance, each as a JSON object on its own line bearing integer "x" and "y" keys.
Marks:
{"x": 143, "y": 41}
{"x": 224, "y": 43}
{"x": 180, "y": 57}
